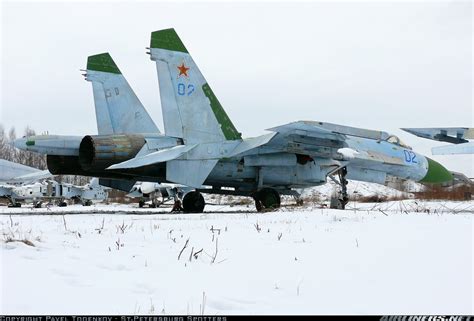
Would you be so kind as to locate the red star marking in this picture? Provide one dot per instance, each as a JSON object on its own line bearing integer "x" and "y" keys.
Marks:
{"x": 183, "y": 70}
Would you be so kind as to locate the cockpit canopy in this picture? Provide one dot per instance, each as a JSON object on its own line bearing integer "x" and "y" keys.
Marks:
{"x": 392, "y": 139}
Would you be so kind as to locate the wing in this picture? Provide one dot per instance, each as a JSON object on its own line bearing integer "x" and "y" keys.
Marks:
{"x": 320, "y": 139}
{"x": 455, "y": 135}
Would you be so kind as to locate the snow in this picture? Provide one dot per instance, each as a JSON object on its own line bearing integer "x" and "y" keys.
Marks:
{"x": 358, "y": 189}
{"x": 383, "y": 258}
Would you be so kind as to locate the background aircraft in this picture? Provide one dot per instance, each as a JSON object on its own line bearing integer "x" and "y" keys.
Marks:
{"x": 455, "y": 135}
{"x": 19, "y": 183}
{"x": 201, "y": 146}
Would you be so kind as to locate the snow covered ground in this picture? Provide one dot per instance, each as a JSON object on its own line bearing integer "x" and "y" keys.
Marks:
{"x": 384, "y": 258}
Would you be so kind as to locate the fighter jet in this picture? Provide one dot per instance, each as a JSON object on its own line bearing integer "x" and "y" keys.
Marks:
{"x": 455, "y": 135}
{"x": 202, "y": 147}
{"x": 20, "y": 183}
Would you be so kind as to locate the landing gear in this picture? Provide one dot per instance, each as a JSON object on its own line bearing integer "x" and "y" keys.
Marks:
{"x": 37, "y": 204}
{"x": 87, "y": 203}
{"x": 62, "y": 204}
{"x": 193, "y": 202}
{"x": 267, "y": 199}
{"x": 154, "y": 203}
{"x": 299, "y": 201}
{"x": 14, "y": 204}
{"x": 340, "y": 198}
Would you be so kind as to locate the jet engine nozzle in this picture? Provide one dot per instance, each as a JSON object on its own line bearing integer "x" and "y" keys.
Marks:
{"x": 100, "y": 152}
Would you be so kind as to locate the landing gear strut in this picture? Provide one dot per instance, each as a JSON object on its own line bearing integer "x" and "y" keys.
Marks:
{"x": 341, "y": 198}
{"x": 193, "y": 202}
{"x": 267, "y": 198}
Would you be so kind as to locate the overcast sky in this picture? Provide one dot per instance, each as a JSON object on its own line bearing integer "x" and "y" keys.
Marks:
{"x": 377, "y": 65}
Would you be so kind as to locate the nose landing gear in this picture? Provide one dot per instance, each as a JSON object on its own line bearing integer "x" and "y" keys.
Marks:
{"x": 340, "y": 198}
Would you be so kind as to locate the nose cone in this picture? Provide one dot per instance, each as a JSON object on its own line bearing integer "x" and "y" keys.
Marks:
{"x": 436, "y": 174}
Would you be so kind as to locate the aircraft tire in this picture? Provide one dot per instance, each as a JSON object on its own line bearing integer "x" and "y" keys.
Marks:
{"x": 193, "y": 202}
{"x": 337, "y": 203}
{"x": 267, "y": 199}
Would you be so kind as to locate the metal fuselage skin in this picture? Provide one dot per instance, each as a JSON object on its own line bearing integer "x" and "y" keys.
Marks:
{"x": 274, "y": 164}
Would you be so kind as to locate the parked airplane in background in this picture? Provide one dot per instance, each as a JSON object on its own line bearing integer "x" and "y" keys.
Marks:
{"x": 201, "y": 146}
{"x": 19, "y": 183}
{"x": 455, "y": 135}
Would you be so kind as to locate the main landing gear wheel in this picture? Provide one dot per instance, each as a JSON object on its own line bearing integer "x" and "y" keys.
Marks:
{"x": 193, "y": 202}
{"x": 267, "y": 199}
{"x": 341, "y": 198}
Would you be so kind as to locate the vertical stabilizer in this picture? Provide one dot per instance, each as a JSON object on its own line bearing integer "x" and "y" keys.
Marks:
{"x": 190, "y": 109}
{"x": 118, "y": 109}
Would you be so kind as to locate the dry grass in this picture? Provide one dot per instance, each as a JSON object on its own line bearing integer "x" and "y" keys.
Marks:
{"x": 25, "y": 241}
{"x": 455, "y": 193}
{"x": 377, "y": 198}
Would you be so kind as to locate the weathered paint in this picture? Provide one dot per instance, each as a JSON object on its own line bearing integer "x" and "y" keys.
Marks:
{"x": 167, "y": 39}
{"x": 118, "y": 109}
{"x": 102, "y": 62}
{"x": 436, "y": 173}
{"x": 227, "y": 127}
{"x": 192, "y": 113}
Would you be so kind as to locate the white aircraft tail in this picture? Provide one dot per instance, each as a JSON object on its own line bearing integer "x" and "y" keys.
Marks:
{"x": 118, "y": 109}
{"x": 190, "y": 109}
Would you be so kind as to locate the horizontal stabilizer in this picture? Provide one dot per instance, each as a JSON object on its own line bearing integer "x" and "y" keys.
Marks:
{"x": 9, "y": 170}
{"x": 31, "y": 177}
{"x": 17, "y": 173}
{"x": 191, "y": 173}
{"x": 160, "y": 156}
